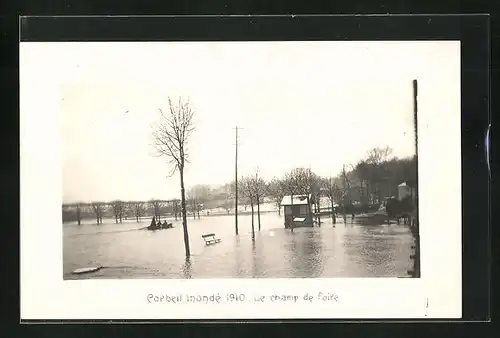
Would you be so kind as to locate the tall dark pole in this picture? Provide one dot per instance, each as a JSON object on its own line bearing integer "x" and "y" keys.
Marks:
{"x": 236, "y": 185}
{"x": 417, "y": 224}
{"x": 415, "y": 126}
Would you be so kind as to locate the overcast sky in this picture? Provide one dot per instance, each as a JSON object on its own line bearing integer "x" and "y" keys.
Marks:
{"x": 299, "y": 104}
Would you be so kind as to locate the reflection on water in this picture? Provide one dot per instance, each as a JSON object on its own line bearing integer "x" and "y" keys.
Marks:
{"x": 186, "y": 268}
{"x": 344, "y": 250}
{"x": 305, "y": 253}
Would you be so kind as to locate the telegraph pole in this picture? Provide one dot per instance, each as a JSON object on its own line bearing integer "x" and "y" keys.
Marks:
{"x": 416, "y": 226}
{"x": 236, "y": 184}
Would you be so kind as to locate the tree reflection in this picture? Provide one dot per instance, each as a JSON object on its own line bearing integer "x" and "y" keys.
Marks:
{"x": 256, "y": 261}
{"x": 306, "y": 254}
{"x": 187, "y": 268}
{"x": 239, "y": 271}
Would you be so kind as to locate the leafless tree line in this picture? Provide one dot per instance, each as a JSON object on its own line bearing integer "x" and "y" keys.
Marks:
{"x": 124, "y": 209}
{"x": 253, "y": 188}
{"x": 365, "y": 182}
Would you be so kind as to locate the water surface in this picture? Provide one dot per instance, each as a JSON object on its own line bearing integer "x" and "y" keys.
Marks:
{"x": 343, "y": 250}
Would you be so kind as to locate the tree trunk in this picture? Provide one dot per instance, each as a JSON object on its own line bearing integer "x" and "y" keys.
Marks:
{"x": 258, "y": 212}
{"x": 184, "y": 215}
{"x": 318, "y": 211}
{"x": 309, "y": 211}
{"x": 116, "y": 218}
{"x": 253, "y": 227}
{"x": 279, "y": 209}
{"x": 315, "y": 211}
{"x": 334, "y": 218}
{"x": 291, "y": 212}
{"x": 78, "y": 215}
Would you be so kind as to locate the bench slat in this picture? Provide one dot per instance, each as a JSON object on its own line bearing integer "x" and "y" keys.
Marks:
{"x": 210, "y": 239}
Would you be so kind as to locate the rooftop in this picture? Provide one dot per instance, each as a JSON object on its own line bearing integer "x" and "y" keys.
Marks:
{"x": 297, "y": 200}
{"x": 407, "y": 184}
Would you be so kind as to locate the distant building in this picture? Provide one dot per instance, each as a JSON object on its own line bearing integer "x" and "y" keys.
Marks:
{"x": 406, "y": 189}
{"x": 297, "y": 211}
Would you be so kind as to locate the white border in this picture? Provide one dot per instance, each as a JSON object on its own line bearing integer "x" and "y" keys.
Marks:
{"x": 45, "y": 295}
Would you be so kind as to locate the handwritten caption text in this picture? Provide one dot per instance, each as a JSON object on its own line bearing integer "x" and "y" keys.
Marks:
{"x": 232, "y": 298}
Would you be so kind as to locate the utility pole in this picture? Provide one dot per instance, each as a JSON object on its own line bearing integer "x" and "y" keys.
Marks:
{"x": 236, "y": 184}
{"x": 417, "y": 223}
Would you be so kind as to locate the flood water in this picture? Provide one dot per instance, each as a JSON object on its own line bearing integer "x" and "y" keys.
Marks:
{"x": 346, "y": 250}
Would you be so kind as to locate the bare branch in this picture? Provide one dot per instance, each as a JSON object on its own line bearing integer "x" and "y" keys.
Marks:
{"x": 171, "y": 135}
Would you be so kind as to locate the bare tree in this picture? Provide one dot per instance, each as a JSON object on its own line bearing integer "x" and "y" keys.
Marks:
{"x": 303, "y": 179}
{"x": 200, "y": 195}
{"x": 363, "y": 172}
{"x": 229, "y": 196}
{"x": 376, "y": 157}
{"x": 276, "y": 190}
{"x": 138, "y": 208}
{"x": 228, "y": 204}
{"x": 98, "y": 208}
{"x": 156, "y": 208}
{"x": 79, "y": 213}
{"x": 315, "y": 189}
{"x": 171, "y": 140}
{"x": 78, "y": 207}
{"x": 259, "y": 189}
{"x": 332, "y": 190}
{"x": 175, "y": 208}
{"x": 191, "y": 203}
{"x": 117, "y": 207}
{"x": 346, "y": 185}
{"x": 309, "y": 184}
{"x": 128, "y": 209}
{"x": 292, "y": 184}
{"x": 247, "y": 188}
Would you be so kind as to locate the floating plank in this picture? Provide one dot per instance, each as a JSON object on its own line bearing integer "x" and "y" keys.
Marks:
{"x": 87, "y": 270}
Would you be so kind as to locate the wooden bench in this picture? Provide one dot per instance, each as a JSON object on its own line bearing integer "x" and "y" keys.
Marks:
{"x": 210, "y": 239}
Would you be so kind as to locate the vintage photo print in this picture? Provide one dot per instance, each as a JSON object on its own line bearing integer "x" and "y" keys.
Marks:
{"x": 241, "y": 179}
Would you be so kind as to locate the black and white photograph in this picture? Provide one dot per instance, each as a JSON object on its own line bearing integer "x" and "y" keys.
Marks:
{"x": 228, "y": 160}
{"x": 243, "y": 161}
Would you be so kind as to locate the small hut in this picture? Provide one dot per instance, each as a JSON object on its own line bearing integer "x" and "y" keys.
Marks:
{"x": 297, "y": 210}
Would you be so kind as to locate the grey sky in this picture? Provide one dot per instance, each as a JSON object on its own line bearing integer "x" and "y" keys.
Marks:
{"x": 317, "y": 104}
